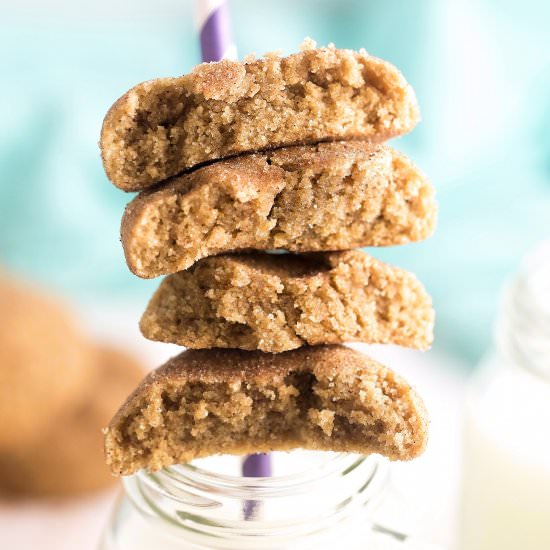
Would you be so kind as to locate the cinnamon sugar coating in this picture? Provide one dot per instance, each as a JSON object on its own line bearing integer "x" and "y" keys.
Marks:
{"x": 206, "y": 402}
{"x": 162, "y": 127}
{"x": 281, "y": 302}
{"x": 331, "y": 196}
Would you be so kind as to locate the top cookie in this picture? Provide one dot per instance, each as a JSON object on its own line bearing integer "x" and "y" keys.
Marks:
{"x": 161, "y": 127}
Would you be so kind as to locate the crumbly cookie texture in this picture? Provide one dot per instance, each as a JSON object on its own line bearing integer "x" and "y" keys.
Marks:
{"x": 275, "y": 303}
{"x": 330, "y": 196}
{"x": 67, "y": 458}
{"x": 206, "y": 402}
{"x": 161, "y": 127}
{"x": 46, "y": 362}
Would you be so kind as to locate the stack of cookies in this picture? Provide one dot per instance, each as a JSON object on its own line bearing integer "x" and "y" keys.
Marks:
{"x": 237, "y": 161}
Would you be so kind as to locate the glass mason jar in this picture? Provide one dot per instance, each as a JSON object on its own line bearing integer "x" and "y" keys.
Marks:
{"x": 506, "y": 471}
{"x": 321, "y": 500}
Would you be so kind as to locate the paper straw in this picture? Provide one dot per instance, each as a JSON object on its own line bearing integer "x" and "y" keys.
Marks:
{"x": 215, "y": 30}
{"x": 257, "y": 465}
{"x": 217, "y": 43}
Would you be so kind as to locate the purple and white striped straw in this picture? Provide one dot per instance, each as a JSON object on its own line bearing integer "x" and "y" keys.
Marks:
{"x": 214, "y": 27}
{"x": 217, "y": 43}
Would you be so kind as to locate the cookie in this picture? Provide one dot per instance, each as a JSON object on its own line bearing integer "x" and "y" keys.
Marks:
{"x": 280, "y": 302}
{"x": 331, "y": 196}
{"x": 67, "y": 459}
{"x": 162, "y": 127}
{"x": 45, "y": 362}
{"x": 206, "y": 402}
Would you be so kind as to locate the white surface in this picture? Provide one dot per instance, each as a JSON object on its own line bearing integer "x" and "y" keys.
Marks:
{"x": 428, "y": 485}
{"x": 67, "y": 525}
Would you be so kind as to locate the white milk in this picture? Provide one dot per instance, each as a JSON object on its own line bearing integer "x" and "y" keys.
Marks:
{"x": 506, "y": 501}
{"x": 506, "y": 498}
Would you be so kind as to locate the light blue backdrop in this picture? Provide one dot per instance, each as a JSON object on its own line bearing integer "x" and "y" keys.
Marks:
{"x": 482, "y": 75}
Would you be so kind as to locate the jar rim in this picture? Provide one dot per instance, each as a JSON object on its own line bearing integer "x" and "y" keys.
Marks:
{"x": 295, "y": 482}
{"x": 207, "y": 506}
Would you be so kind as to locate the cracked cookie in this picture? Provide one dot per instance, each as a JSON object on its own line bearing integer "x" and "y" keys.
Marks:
{"x": 330, "y": 196}
{"x": 163, "y": 127}
{"x": 275, "y": 302}
{"x": 205, "y": 402}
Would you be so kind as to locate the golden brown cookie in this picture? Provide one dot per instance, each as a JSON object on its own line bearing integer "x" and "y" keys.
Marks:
{"x": 280, "y": 302}
{"x": 330, "y": 196}
{"x": 161, "y": 127}
{"x": 234, "y": 402}
{"x": 67, "y": 459}
{"x": 45, "y": 363}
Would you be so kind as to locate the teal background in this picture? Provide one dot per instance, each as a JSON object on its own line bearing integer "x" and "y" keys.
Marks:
{"x": 481, "y": 70}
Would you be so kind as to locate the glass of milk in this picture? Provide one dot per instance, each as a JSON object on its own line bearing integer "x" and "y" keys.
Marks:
{"x": 506, "y": 475}
{"x": 314, "y": 500}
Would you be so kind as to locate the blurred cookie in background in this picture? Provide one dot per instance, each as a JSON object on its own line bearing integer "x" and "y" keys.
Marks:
{"x": 46, "y": 363}
{"x": 67, "y": 459}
